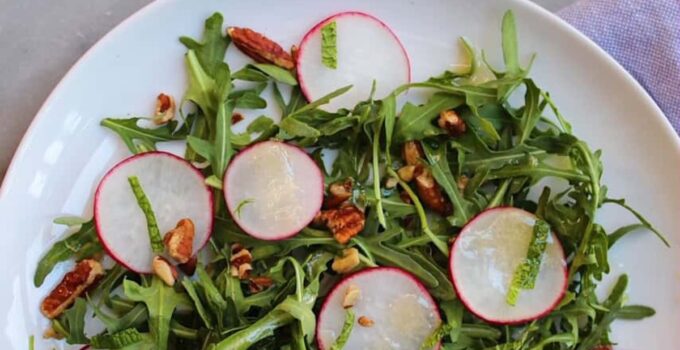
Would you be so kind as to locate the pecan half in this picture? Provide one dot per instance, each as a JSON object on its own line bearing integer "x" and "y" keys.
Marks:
{"x": 240, "y": 261}
{"x": 365, "y": 322}
{"x": 259, "y": 283}
{"x": 347, "y": 262}
{"x": 344, "y": 222}
{"x": 189, "y": 267}
{"x": 164, "y": 270}
{"x": 71, "y": 287}
{"x": 450, "y": 121}
{"x": 412, "y": 153}
{"x": 338, "y": 193}
{"x": 430, "y": 192}
{"x": 180, "y": 241}
{"x": 165, "y": 109}
{"x": 260, "y": 48}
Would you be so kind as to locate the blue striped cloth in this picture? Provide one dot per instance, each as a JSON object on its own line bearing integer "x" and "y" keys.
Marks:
{"x": 644, "y": 36}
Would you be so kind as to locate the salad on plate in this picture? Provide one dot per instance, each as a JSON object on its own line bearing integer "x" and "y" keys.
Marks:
{"x": 373, "y": 212}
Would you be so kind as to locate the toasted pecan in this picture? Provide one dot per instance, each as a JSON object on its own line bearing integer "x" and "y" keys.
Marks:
{"x": 430, "y": 192}
{"x": 240, "y": 261}
{"x": 259, "y": 283}
{"x": 338, "y": 193}
{"x": 74, "y": 283}
{"x": 180, "y": 241}
{"x": 260, "y": 48}
{"x": 344, "y": 222}
{"x": 164, "y": 270}
{"x": 165, "y": 109}
{"x": 450, "y": 121}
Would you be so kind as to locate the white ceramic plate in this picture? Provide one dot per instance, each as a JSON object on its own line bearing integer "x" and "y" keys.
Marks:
{"x": 65, "y": 152}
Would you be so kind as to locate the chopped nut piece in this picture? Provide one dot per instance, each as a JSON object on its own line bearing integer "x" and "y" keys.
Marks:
{"x": 462, "y": 182}
{"x": 260, "y": 48}
{"x": 344, "y": 222}
{"x": 236, "y": 117}
{"x": 84, "y": 275}
{"x": 391, "y": 182}
{"x": 240, "y": 261}
{"x": 294, "y": 51}
{"x": 412, "y": 153}
{"x": 347, "y": 262}
{"x": 165, "y": 109}
{"x": 180, "y": 241}
{"x": 189, "y": 267}
{"x": 50, "y": 333}
{"x": 406, "y": 172}
{"x": 338, "y": 193}
{"x": 352, "y": 295}
{"x": 365, "y": 322}
{"x": 259, "y": 283}
{"x": 405, "y": 197}
{"x": 450, "y": 121}
{"x": 430, "y": 192}
{"x": 164, "y": 270}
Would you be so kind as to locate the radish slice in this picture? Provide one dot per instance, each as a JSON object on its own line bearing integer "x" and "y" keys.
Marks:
{"x": 403, "y": 312}
{"x": 175, "y": 189}
{"x": 483, "y": 261}
{"x": 273, "y": 190}
{"x": 367, "y": 51}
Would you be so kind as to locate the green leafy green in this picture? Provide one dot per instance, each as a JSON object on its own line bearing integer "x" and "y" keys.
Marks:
{"x": 346, "y": 330}
{"x": 151, "y": 223}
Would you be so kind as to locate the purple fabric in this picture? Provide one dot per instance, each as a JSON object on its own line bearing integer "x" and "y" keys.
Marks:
{"x": 644, "y": 36}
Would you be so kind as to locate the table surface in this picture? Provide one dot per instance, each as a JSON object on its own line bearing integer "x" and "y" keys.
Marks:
{"x": 40, "y": 40}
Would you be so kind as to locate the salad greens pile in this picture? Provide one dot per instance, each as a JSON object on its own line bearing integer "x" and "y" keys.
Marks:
{"x": 504, "y": 154}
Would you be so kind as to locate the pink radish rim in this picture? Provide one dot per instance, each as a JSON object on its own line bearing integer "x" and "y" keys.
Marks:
{"x": 351, "y": 276}
{"x": 127, "y": 160}
{"x": 466, "y": 302}
{"x": 316, "y": 27}
{"x": 231, "y": 210}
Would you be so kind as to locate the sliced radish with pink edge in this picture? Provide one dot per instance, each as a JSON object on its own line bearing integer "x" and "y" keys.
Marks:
{"x": 403, "y": 312}
{"x": 483, "y": 261}
{"x": 367, "y": 51}
{"x": 273, "y": 190}
{"x": 175, "y": 189}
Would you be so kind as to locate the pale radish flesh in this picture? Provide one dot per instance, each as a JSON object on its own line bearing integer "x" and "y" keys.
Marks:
{"x": 273, "y": 190}
{"x": 367, "y": 51}
{"x": 483, "y": 261}
{"x": 402, "y": 311}
{"x": 175, "y": 189}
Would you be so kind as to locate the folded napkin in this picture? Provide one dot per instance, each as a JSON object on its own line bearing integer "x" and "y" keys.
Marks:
{"x": 644, "y": 36}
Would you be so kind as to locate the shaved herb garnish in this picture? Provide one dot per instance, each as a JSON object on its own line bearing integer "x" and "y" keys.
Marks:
{"x": 151, "y": 223}
{"x": 346, "y": 330}
{"x": 329, "y": 48}
{"x": 436, "y": 336}
{"x": 526, "y": 273}
{"x": 242, "y": 204}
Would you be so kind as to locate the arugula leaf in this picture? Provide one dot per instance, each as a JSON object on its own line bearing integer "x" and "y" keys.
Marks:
{"x": 416, "y": 122}
{"x": 329, "y": 48}
{"x": 73, "y": 321}
{"x": 117, "y": 340}
{"x": 140, "y": 139}
{"x": 210, "y": 53}
{"x": 79, "y": 245}
{"x": 276, "y": 73}
{"x": 160, "y": 301}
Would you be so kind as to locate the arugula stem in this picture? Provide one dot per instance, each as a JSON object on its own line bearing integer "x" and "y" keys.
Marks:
{"x": 595, "y": 202}
{"x": 366, "y": 261}
{"x": 498, "y": 196}
{"x": 417, "y": 241}
{"x": 441, "y": 245}
{"x": 376, "y": 176}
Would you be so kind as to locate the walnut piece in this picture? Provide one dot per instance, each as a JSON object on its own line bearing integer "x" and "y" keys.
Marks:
{"x": 165, "y": 109}
{"x": 84, "y": 275}
{"x": 260, "y": 48}
{"x": 450, "y": 121}
{"x": 164, "y": 270}
{"x": 347, "y": 262}
{"x": 189, "y": 267}
{"x": 236, "y": 117}
{"x": 259, "y": 283}
{"x": 412, "y": 153}
{"x": 352, "y": 295}
{"x": 180, "y": 241}
{"x": 344, "y": 222}
{"x": 365, "y": 321}
{"x": 338, "y": 193}
{"x": 240, "y": 261}
{"x": 406, "y": 172}
{"x": 430, "y": 192}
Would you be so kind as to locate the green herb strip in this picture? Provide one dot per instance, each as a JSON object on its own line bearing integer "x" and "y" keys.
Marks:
{"x": 145, "y": 205}
{"x": 526, "y": 273}
{"x": 436, "y": 336}
{"x": 345, "y": 332}
{"x": 329, "y": 49}
{"x": 242, "y": 204}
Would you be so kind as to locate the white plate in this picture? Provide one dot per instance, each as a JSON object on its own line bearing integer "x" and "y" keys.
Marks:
{"x": 65, "y": 151}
